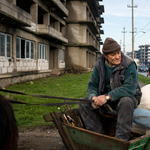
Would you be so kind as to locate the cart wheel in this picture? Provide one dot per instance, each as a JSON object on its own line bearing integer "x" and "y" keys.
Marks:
{"x": 63, "y": 148}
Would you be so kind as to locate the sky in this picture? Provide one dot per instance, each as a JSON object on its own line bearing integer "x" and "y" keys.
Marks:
{"x": 118, "y": 16}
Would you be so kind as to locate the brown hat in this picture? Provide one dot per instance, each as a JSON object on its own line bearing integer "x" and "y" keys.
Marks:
{"x": 110, "y": 46}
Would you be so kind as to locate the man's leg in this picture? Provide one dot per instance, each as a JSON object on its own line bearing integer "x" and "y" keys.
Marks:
{"x": 90, "y": 118}
{"x": 125, "y": 110}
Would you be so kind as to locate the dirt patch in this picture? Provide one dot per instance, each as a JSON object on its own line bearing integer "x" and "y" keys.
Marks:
{"x": 39, "y": 138}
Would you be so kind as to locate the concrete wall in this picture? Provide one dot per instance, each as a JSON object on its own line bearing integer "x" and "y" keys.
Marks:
{"x": 76, "y": 57}
{"x": 8, "y": 80}
{"x": 76, "y": 10}
{"x": 80, "y": 58}
{"x": 76, "y": 34}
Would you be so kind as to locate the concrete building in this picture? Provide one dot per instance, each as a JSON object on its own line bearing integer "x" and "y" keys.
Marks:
{"x": 136, "y": 54}
{"x": 83, "y": 33}
{"x": 144, "y": 54}
{"x": 34, "y": 42}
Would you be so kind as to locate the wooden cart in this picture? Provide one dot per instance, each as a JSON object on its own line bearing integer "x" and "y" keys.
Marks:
{"x": 77, "y": 138}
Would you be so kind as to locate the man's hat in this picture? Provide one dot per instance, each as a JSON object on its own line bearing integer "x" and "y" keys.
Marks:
{"x": 110, "y": 46}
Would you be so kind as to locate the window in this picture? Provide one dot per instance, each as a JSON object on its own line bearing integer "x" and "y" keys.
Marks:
{"x": 61, "y": 56}
{"x": 24, "y": 48}
{"x": 5, "y": 45}
{"x": 42, "y": 51}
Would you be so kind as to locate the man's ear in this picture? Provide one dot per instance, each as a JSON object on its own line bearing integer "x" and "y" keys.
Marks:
{"x": 105, "y": 56}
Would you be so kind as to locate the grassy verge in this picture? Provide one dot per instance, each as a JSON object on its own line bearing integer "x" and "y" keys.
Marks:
{"x": 144, "y": 79}
{"x": 69, "y": 85}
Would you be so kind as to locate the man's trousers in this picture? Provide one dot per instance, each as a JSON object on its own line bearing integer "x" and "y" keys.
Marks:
{"x": 124, "y": 108}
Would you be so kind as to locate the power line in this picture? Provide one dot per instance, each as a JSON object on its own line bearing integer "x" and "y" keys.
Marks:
{"x": 142, "y": 10}
{"x": 143, "y": 28}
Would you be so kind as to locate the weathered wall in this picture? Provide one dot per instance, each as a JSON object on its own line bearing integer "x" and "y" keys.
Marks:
{"x": 76, "y": 10}
{"x": 9, "y": 65}
{"x": 76, "y": 34}
{"x": 80, "y": 58}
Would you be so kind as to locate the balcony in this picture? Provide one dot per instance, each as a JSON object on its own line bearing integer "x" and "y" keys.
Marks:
{"x": 12, "y": 15}
{"x": 101, "y": 31}
{"x": 100, "y": 9}
{"x": 91, "y": 24}
{"x": 100, "y": 20}
{"x": 95, "y": 7}
{"x": 57, "y": 7}
{"x": 51, "y": 33}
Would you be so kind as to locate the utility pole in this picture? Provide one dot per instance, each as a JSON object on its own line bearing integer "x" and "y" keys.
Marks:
{"x": 132, "y": 28}
{"x": 124, "y": 40}
{"x": 120, "y": 42}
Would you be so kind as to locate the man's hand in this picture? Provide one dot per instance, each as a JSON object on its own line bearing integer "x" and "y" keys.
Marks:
{"x": 98, "y": 101}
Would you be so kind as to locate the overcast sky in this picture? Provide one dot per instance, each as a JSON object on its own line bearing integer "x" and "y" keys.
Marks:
{"x": 118, "y": 16}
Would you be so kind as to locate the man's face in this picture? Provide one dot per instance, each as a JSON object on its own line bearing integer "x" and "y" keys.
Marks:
{"x": 114, "y": 59}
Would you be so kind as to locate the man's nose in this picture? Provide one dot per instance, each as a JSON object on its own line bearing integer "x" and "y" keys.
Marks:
{"x": 117, "y": 55}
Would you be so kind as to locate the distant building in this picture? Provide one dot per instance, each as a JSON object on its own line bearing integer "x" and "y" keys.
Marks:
{"x": 143, "y": 54}
{"x": 136, "y": 54}
{"x": 41, "y": 37}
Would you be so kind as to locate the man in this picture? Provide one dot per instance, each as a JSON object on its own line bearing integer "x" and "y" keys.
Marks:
{"x": 114, "y": 81}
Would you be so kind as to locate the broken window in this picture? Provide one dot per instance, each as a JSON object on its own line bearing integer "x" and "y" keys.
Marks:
{"x": 24, "y": 4}
{"x": 41, "y": 13}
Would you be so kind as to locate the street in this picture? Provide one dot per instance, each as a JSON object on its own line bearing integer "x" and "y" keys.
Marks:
{"x": 143, "y": 73}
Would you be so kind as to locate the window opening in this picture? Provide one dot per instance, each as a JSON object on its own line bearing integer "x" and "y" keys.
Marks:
{"x": 5, "y": 45}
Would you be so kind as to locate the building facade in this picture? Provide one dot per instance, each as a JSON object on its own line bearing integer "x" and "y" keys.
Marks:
{"x": 34, "y": 37}
{"x": 83, "y": 33}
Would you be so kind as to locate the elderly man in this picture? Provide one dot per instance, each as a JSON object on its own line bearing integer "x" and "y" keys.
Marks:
{"x": 114, "y": 81}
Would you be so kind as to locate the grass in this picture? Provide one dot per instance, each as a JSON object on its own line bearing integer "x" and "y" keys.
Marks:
{"x": 144, "y": 79}
{"x": 68, "y": 85}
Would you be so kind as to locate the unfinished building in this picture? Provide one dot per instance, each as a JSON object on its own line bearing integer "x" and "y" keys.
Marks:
{"x": 83, "y": 33}
{"x": 34, "y": 37}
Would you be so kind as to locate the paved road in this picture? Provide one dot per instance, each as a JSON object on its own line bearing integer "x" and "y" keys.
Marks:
{"x": 143, "y": 73}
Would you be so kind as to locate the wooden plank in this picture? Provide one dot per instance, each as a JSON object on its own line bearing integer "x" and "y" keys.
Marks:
{"x": 84, "y": 139}
{"x": 58, "y": 124}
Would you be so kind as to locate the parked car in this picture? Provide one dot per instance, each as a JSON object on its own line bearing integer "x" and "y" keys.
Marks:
{"x": 142, "y": 68}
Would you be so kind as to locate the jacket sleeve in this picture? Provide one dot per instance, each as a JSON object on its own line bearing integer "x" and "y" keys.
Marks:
{"x": 128, "y": 89}
{"x": 93, "y": 84}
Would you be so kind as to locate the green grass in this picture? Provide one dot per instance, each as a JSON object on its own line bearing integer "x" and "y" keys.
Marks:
{"x": 144, "y": 79}
{"x": 69, "y": 85}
